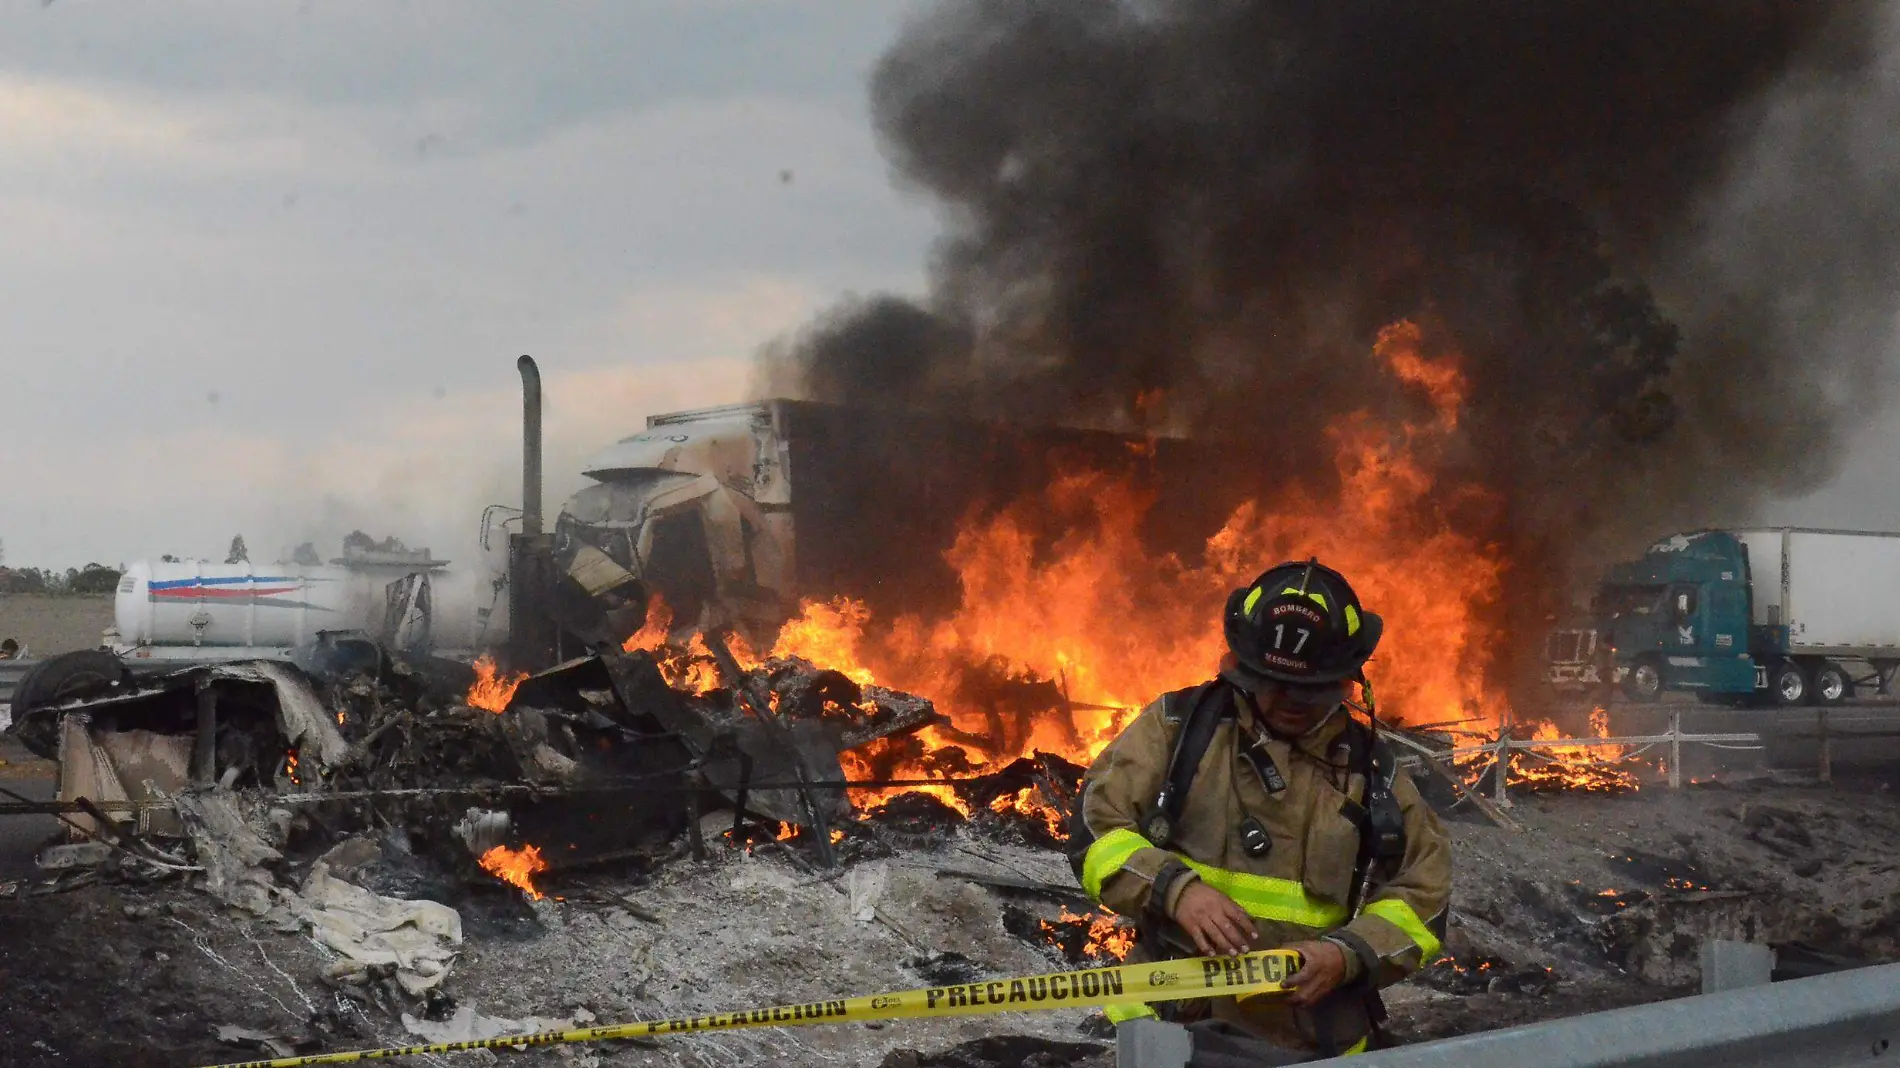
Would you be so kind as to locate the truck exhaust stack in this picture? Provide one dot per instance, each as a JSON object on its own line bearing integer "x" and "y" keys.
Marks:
{"x": 530, "y": 446}
{"x": 532, "y": 636}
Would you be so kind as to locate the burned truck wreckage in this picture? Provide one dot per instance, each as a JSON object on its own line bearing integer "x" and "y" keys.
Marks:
{"x": 623, "y": 657}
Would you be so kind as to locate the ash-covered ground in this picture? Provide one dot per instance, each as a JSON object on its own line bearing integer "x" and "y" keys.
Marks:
{"x": 1599, "y": 901}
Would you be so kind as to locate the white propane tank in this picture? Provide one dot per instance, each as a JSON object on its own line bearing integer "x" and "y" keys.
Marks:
{"x": 193, "y": 602}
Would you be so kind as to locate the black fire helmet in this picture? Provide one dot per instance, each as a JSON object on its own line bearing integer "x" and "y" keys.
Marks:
{"x": 1300, "y": 624}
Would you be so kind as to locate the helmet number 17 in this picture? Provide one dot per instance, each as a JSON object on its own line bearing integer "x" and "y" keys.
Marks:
{"x": 1279, "y": 638}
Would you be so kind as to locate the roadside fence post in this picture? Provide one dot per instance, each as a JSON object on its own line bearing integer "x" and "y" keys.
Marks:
{"x": 1675, "y": 749}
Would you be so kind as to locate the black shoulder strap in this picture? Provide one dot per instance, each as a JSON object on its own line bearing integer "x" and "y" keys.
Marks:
{"x": 1206, "y": 706}
{"x": 1381, "y": 822}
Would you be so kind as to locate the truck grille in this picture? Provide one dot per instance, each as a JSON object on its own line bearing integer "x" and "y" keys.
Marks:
{"x": 1570, "y": 646}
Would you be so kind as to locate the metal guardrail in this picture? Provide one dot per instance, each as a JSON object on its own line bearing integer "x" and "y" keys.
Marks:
{"x": 1828, "y": 1021}
{"x": 10, "y": 672}
{"x": 1850, "y": 1017}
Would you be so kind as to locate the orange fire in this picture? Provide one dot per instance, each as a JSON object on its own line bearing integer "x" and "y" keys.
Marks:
{"x": 491, "y": 690}
{"x": 290, "y": 767}
{"x": 828, "y": 635}
{"x": 690, "y": 667}
{"x": 1116, "y": 626}
{"x": 653, "y": 634}
{"x": 1574, "y": 767}
{"x": 1028, "y": 802}
{"x": 1108, "y": 938}
{"x": 866, "y": 764}
{"x": 516, "y": 867}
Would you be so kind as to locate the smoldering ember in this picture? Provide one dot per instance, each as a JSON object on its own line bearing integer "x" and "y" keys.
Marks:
{"x": 1517, "y": 340}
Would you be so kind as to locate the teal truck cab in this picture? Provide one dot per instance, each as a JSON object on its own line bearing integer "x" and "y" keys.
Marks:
{"x": 1786, "y": 615}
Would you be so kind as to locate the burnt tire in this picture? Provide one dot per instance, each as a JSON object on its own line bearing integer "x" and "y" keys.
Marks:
{"x": 1644, "y": 683}
{"x": 55, "y": 681}
{"x": 1831, "y": 684}
{"x": 1788, "y": 685}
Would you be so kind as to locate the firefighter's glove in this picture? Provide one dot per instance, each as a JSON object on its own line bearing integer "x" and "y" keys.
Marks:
{"x": 1219, "y": 927}
{"x": 1323, "y": 967}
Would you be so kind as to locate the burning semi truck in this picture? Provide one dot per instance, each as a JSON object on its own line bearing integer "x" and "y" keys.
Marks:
{"x": 1784, "y": 616}
{"x": 729, "y": 516}
{"x": 735, "y": 515}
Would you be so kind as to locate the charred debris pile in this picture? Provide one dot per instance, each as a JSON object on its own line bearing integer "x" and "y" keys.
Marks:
{"x": 356, "y": 782}
{"x": 378, "y": 803}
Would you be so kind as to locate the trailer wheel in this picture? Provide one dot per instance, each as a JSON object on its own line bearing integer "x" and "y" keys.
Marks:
{"x": 1644, "y": 682}
{"x": 53, "y": 681}
{"x": 1831, "y": 684}
{"x": 1789, "y": 684}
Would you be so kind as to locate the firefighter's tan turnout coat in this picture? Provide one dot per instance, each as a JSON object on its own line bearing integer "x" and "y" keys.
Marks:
{"x": 1298, "y": 891}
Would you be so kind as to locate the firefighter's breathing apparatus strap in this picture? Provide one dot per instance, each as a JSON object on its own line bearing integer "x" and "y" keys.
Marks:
{"x": 1208, "y": 704}
{"x": 1249, "y": 974}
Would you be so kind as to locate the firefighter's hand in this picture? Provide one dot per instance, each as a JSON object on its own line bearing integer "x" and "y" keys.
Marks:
{"x": 1322, "y": 969}
{"x": 1219, "y": 927}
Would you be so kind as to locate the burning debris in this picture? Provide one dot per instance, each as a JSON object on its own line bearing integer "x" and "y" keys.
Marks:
{"x": 1100, "y": 937}
{"x": 516, "y": 867}
{"x": 491, "y": 691}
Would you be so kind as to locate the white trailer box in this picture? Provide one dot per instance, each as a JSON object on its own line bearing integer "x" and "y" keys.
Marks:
{"x": 1837, "y": 591}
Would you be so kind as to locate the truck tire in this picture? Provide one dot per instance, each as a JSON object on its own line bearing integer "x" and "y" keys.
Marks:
{"x": 1788, "y": 684}
{"x": 56, "y": 680}
{"x": 1831, "y": 684}
{"x": 1644, "y": 683}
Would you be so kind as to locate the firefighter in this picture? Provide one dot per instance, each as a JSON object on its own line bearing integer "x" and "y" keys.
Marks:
{"x": 1255, "y": 812}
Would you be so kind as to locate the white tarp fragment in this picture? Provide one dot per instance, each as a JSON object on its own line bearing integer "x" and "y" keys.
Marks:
{"x": 418, "y": 937}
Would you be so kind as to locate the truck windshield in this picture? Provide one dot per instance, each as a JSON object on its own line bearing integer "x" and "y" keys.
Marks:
{"x": 1628, "y": 600}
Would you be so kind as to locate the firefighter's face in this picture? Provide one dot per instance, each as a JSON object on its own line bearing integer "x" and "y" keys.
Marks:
{"x": 1294, "y": 710}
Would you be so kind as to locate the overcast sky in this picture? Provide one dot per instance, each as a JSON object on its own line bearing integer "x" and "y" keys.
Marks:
{"x": 267, "y": 266}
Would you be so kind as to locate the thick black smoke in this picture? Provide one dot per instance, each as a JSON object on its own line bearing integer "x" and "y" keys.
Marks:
{"x": 1224, "y": 201}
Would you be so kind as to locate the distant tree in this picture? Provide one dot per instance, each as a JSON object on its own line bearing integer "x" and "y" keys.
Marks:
{"x": 23, "y": 580}
{"x": 168, "y": 559}
{"x": 93, "y": 578}
{"x": 238, "y": 554}
{"x": 306, "y": 555}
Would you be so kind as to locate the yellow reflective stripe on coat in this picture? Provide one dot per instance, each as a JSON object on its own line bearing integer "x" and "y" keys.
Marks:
{"x": 1265, "y": 898}
{"x": 1405, "y": 918}
{"x": 1106, "y": 857}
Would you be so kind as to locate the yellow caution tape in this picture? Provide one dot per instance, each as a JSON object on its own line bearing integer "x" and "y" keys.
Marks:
{"x": 1172, "y": 980}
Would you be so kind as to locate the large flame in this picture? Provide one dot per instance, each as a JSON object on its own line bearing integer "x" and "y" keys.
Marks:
{"x": 1061, "y": 588}
{"x": 1059, "y": 591}
{"x": 517, "y": 867}
{"x": 492, "y": 690}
